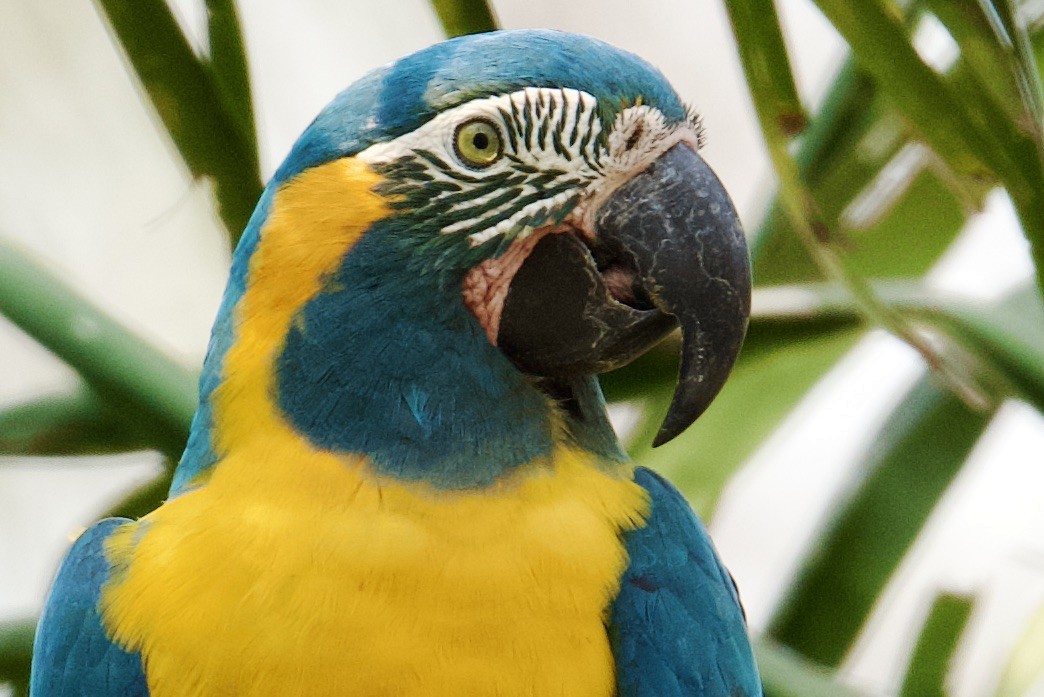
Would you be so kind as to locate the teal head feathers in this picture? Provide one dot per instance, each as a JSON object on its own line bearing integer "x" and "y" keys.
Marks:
{"x": 543, "y": 216}
{"x": 401, "y": 479}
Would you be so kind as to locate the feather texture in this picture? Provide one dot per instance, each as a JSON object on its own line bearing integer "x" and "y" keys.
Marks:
{"x": 374, "y": 499}
{"x": 676, "y": 626}
{"x": 73, "y": 655}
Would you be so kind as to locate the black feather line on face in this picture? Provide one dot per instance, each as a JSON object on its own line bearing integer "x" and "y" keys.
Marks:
{"x": 435, "y": 194}
{"x": 431, "y": 203}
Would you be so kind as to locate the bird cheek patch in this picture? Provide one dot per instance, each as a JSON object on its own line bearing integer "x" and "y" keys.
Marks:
{"x": 486, "y": 286}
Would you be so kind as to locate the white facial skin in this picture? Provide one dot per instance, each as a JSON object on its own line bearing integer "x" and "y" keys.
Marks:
{"x": 639, "y": 135}
{"x": 559, "y": 165}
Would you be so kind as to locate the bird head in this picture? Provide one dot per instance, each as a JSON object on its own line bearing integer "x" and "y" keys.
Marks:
{"x": 530, "y": 199}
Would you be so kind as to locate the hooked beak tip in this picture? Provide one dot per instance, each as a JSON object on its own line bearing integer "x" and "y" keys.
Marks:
{"x": 681, "y": 230}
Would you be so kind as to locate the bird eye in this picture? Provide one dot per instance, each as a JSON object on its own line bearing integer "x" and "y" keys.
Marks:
{"x": 478, "y": 143}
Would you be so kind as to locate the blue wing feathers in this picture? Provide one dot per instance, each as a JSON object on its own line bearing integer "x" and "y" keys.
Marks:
{"x": 676, "y": 626}
{"x": 72, "y": 655}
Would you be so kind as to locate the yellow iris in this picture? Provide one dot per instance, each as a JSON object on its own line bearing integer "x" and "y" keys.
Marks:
{"x": 478, "y": 143}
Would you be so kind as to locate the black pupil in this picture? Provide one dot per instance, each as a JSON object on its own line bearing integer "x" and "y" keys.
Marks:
{"x": 480, "y": 141}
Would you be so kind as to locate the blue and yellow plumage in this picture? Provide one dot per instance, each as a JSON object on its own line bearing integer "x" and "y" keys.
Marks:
{"x": 381, "y": 494}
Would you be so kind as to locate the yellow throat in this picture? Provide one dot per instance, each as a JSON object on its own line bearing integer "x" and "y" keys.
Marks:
{"x": 296, "y": 571}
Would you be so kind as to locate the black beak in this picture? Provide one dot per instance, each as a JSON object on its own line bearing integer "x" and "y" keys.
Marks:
{"x": 668, "y": 251}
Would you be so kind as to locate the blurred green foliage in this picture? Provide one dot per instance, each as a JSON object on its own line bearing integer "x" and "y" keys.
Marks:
{"x": 858, "y": 251}
{"x": 936, "y": 646}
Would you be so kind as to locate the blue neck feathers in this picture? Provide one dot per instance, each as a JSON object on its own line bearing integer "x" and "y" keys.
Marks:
{"x": 387, "y": 365}
{"x": 382, "y": 364}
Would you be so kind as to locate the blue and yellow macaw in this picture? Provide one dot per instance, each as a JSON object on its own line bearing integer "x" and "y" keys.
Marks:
{"x": 401, "y": 479}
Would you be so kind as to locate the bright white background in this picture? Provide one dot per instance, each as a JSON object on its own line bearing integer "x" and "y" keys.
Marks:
{"x": 88, "y": 181}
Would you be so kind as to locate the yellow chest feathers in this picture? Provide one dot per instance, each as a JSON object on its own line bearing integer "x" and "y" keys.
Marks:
{"x": 331, "y": 582}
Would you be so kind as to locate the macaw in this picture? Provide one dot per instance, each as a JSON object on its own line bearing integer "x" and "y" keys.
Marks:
{"x": 401, "y": 479}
